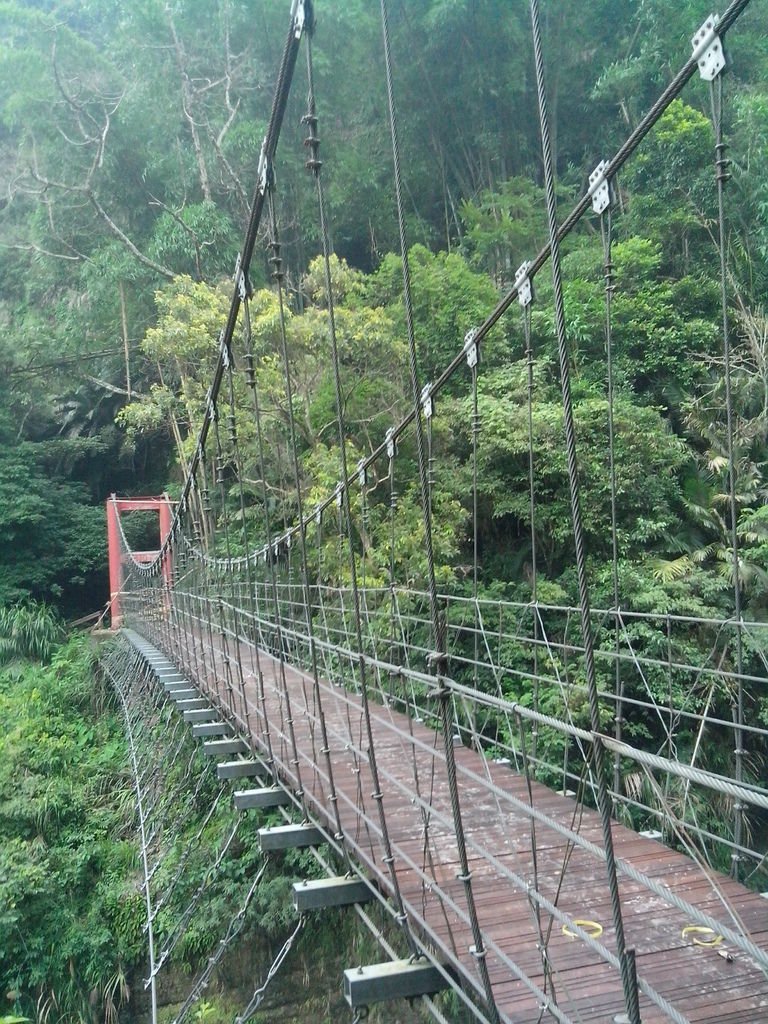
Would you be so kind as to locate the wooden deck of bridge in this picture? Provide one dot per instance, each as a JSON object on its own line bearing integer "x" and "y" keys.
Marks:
{"x": 702, "y": 984}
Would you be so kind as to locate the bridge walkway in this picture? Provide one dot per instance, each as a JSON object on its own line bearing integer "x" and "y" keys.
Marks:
{"x": 506, "y": 818}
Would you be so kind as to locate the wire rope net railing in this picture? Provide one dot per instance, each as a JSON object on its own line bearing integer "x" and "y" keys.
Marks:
{"x": 212, "y": 860}
{"x": 516, "y": 768}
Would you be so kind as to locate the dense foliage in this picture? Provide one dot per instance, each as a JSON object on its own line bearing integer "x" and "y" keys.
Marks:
{"x": 72, "y": 944}
{"x": 67, "y": 856}
{"x": 129, "y": 141}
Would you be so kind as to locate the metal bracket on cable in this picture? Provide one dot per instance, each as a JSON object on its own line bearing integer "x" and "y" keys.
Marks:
{"x": 523, "y": 284}
{"x": 600, "y": 188}
{"x": 299, "y": 18}
{"x": 243, "y": 286}
{"x": 708, "y": 49}
{"x": 262, "y": 173}
{"x": 223, "y": 347}
{"x": 339, "y": 494}
{"x": 362, "y": 473}
{"x": 391, "y": 442}
{"x": 427, "y": 405}
{"x": 318, "y": 517}
{"x": 471, "y": 350}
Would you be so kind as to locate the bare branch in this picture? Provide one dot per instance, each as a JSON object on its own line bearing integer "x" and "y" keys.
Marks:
{"x": 73, "y": 142}
{"x": 113, "y": 388}
{"x": 242, "y": 195}
{"x": 32, "y": 247}
{"x": 187, "y": 98}
{"x": 145, "y": 260}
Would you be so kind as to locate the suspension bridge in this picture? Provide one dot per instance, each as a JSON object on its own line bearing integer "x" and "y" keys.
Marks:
{"x": 537, "y": 858}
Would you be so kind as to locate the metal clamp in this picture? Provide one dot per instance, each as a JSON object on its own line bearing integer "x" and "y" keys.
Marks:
{"x": 262, "y": 173}
{"x": 471, "y": 350}
{"x": 427, "y": 405}
{"x": 362, "y": 473}
{"x": 391, "y": 442}
{"x": 523, "y": 284}
{"x": 339, "y": 495}
{"x": 318, "y": 517}
{"x": 244, "y": 289}
{"x": 708, "y": 49}
{"x": 224, "y": 349}
{"x": 600, "y": 188}
{"x": 298, "y": 18}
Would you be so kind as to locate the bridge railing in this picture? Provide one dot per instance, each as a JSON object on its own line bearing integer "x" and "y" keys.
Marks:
{"x": 519, "y": 693}
{"x": 673, "y": 708}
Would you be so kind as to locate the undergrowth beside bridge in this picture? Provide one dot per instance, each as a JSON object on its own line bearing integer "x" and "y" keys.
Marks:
{"x": 72, "y": 945}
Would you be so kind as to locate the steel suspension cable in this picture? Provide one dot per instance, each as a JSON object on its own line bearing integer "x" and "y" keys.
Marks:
{"x": 529, "y": 363}
{"x": 626, "y": 956}
{"x": 298, "y": 16}
{"x": 258, "y": 996}
{"x": 250, "y": 582}
{"x": 673, "y": 90}
{"x": 325, "y": 749}
{"x": 438, "y": 624}
{"x": 269, "y": 555}
{"x": 144, "y": 853}
{"x": 542, "y": 947}
{"x": 181, "y": 925}
{"x": 475, "y": 512}
{"x": 606, "y": 232}
{"x": 722, "y": 175}
{"x": 225, "y": 649}
{"x": 235, "y": 927}
{"x": 314, "y": 166}
{"x": 205, "y": 570}
{"x": 235, "y": 442}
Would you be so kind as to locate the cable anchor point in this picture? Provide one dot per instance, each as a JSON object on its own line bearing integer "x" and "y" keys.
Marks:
{"x": 244, "y": 289}
{"x": 524, "y": 284}
{"x": 471, "y": 350}
{"x": 427, "y": 403}
{"x": 263, "y": 176}
{"x": 600, "y": 188}
{"x": 298, "y": 18}
{"x": 224, "y": 349}
{"x": 391, "y": 443}
{"x": 708, "y": 49}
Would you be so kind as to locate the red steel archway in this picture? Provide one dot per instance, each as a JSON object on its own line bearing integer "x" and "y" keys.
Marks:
{"x": 115, "y": 508}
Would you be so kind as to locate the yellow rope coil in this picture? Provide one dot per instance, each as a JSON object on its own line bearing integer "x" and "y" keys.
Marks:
{"x": 695, "y": 930}
{"x": 593, "y": 928}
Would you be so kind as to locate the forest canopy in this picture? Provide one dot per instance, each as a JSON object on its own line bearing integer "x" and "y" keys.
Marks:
{"x": 130, "y": 138}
